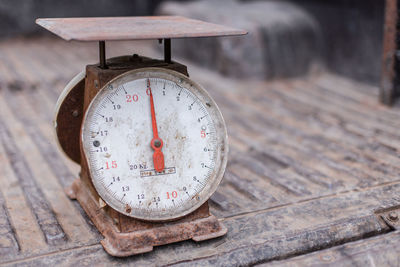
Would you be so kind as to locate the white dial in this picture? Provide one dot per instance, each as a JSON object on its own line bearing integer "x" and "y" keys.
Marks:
{"x": 186, "y": 161}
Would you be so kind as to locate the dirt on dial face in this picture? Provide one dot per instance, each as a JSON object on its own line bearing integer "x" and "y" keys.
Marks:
{"x": 120, "y": 137}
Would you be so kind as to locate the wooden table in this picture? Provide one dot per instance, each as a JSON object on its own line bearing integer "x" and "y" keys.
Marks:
{"x": 314, "y": 162}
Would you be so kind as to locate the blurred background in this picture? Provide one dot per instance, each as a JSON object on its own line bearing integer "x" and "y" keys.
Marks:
{"x": 286, "y": 37}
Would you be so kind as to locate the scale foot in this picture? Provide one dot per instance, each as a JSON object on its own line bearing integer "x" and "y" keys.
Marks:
{"x": 117, "y": 252}
{"x": 212, "y": 235}
{"x": 70, "y": 192}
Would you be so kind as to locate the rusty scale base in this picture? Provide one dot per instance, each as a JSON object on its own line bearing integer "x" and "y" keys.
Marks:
{"x": 199, "y": 225}
{"x": 123, "y": 235}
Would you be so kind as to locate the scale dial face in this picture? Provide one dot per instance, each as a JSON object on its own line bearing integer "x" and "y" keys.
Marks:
{"x": 117, "y": 133}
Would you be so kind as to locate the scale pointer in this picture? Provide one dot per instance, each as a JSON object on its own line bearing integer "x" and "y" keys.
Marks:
{"x": 156, "y": 143}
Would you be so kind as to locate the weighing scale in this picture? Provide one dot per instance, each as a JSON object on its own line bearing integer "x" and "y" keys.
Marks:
{"x": 152, "y": 143}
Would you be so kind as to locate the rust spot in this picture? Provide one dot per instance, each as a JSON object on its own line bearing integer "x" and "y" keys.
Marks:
{"x": 196, "y": 196}
{"x": 128, "y": 208}
{"x": 208, "y": 104}
{"x": 102, "y": 204}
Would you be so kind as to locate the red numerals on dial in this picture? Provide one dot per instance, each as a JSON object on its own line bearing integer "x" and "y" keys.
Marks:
{"x": 173, "y": 194}
{"x": 113, "y": 165}
{"x": 148, "y": 91}
{"x": 203, "y": 134}
{"x": 132, "y": 98}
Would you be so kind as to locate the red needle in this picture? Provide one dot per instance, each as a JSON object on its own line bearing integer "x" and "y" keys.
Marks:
{"x": 156, "y": 143}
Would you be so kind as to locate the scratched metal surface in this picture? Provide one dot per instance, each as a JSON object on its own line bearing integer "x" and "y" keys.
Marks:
{"x": 133, "y": 28}
{"x": 311, "y": 160}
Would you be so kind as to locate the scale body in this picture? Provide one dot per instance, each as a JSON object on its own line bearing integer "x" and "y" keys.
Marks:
{"x": 98, "y": 125}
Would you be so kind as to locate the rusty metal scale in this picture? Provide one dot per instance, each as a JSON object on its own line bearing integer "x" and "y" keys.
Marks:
{"x": 152, "y": 143}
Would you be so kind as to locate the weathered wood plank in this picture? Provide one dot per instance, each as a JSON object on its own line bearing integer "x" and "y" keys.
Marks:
{"x": 263, "y": 142}
{"x": 29, "y": 236}
{"x": 31, "y": 123}
{"x": 311, "y": 143}
{"x": 68, "y": 217}
{"x": 262, "y": 189}
{"x": 356, "y": 87}
{"x": 263, "y": 235}
{"x": 48, "y": 223}
{"x": 18, "y": 67}
{"x": 8, "y": 242}
{"x": 300, "y": 167}
{"x": 383, "y": 250}
{"x": 354, "y": 119}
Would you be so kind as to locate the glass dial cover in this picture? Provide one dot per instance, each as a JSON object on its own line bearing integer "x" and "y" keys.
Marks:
{"x": 117, "y": 131}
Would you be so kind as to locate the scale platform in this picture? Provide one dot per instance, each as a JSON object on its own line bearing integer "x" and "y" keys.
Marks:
{"x": 134, "y": 28}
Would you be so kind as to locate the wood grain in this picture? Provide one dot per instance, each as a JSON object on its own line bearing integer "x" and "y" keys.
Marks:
{"x": 311, "y": 160}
